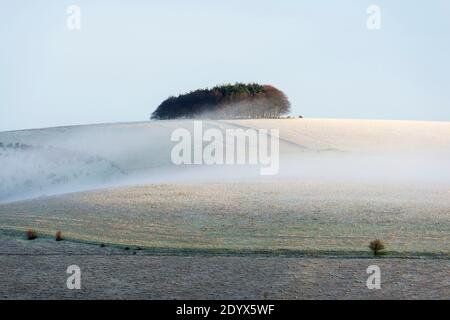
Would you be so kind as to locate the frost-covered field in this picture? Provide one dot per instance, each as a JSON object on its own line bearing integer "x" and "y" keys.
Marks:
{"x": 341, "y": 184}
{"x": 225, "y": 232}
{"x": 37, "y": 270}
{"x": 272, "y": 216}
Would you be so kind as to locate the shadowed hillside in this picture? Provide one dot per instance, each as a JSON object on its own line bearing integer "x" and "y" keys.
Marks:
{"x": 238, "y": 101}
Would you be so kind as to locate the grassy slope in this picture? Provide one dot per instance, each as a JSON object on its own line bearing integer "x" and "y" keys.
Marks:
{"x": 277, "y": 216}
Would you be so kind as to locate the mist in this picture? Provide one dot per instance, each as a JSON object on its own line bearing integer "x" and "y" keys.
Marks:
{"x": 61, "y": 160}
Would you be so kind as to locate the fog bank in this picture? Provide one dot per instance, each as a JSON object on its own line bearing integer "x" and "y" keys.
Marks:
{"x": 59, "y": 160}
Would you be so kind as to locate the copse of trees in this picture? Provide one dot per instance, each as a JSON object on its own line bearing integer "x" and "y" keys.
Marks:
{"x": 226, "y": 102}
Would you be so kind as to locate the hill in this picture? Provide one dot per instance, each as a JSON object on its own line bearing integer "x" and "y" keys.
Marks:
{"x": 64, "y": 159}
{"x": 341, "y": 184}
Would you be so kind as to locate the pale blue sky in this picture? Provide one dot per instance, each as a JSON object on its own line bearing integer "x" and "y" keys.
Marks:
{"x": 130, "y": 55}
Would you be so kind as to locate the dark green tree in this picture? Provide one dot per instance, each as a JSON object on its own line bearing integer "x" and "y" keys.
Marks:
{"x": 226, "y": 102}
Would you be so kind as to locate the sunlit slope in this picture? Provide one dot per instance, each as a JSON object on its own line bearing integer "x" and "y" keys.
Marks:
{"x": 361, "y": 136}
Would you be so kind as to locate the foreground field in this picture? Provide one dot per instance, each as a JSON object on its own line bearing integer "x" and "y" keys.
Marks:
{"x": 298, "y": 217}
{"x": 226, "y": 231}
{"x": 37, "y": 270}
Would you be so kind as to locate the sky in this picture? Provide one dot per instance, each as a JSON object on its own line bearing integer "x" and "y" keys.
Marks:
{"x": 128, "y": 56}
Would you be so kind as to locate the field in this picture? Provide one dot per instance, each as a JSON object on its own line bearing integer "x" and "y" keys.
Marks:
{"x": 341, "y": 184}
{"x": 246, "y": 217}
{"x": 37, "y": 270}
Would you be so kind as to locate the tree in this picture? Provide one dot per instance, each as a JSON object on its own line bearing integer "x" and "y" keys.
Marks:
{"x": 376, "y": 246}
{"x": 226, "y": 102}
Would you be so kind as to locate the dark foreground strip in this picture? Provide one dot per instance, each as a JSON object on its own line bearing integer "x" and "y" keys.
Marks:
{"x": 200, "y": 309}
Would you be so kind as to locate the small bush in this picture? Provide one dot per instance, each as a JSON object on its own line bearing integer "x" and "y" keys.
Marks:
{"x": 31, "y": 234}
{"x": 376, "y": 246}
{"x": 58, "y": 236}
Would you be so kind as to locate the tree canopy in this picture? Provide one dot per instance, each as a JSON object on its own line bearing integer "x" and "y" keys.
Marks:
{"x": 231, "y": 101}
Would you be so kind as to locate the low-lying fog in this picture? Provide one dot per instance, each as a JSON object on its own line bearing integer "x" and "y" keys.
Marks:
{"x": 68, "y": 159}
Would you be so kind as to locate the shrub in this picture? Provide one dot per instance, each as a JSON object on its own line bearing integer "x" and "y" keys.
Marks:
{"x": 376, "y": 246}
{"x": 58, "y": 236}
{"x": 31, "y": 234}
